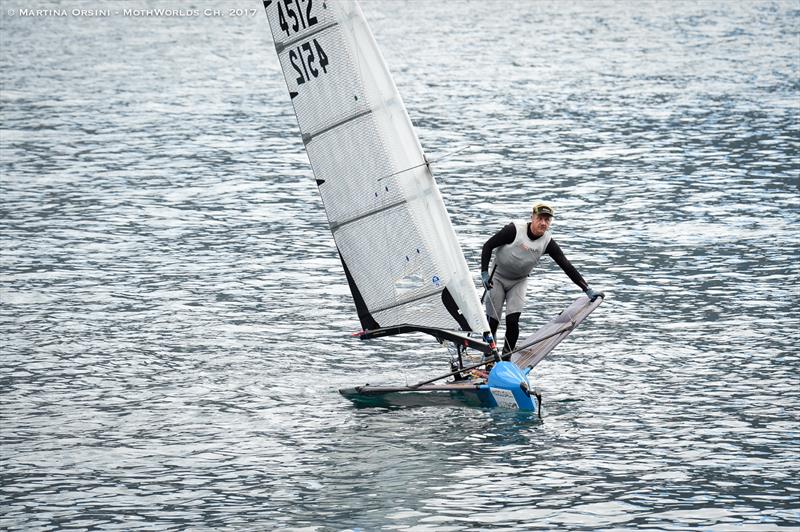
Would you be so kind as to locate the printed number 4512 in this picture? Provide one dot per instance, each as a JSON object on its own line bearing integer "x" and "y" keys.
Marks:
{"x": 298, "y": 20}
{"x": 306, "y": 68}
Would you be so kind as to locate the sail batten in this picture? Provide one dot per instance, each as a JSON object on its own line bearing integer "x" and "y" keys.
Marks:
{"x": 335, "y": 226}
{"x": 280, "y": 47}
{"x": 410, "y": 300}
{"x": 307, "y": 138}
{"x": 386, "y": 214}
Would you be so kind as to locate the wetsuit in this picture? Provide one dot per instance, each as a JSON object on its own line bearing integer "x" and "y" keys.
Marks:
{"x": 515, "y": 259}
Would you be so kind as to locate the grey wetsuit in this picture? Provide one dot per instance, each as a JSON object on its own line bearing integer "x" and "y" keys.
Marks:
{"x": 518, "y": 252}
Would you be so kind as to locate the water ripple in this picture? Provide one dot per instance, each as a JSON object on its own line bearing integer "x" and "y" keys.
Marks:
{"x": 176, "y": 322}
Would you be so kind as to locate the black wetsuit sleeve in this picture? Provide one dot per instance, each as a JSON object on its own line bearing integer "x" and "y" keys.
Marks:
{"x": 554, "y": 250}
{"x": 504, "y": 236}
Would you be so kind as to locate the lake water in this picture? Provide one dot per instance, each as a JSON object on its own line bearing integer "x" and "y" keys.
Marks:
{"x": 175, "y": 320}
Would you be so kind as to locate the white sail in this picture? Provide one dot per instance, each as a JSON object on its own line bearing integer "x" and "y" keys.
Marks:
{"x": 394, "y": 236}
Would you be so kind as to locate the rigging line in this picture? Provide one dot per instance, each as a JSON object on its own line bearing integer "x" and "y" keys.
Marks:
{"x": 426, "y": 163}
{"x": 483, "y": 362}
{"x": 450, "y": 154}
{"x": 498, "y": 313}
{"x": 486, "y": 290}
{"x": 568, "y": 328}
{"x": 539, "y": 340}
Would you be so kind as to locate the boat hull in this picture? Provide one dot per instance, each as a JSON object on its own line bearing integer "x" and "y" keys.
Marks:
{"x": 452, "y": 394}
{"x": 507, "y": 387}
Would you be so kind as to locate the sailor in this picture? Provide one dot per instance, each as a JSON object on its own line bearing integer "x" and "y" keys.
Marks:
{"x": 519, "y": 246}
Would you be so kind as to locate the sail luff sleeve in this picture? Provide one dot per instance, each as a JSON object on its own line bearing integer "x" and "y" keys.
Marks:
{"x": 393, "y": 233}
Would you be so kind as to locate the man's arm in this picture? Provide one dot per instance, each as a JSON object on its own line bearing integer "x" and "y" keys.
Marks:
{"x": 504, "y": 236}
{"x": 554, "y": 250}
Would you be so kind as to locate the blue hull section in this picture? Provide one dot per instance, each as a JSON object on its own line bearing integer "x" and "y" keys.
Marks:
{"x": 509, "y": 387}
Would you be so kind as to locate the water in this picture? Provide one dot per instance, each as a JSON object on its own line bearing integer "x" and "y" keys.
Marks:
{"x": 175, "y": 320}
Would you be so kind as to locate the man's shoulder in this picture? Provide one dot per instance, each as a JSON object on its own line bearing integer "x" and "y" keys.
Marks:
{"x": 510, "y": 227}
{"x": 552, "y": 245}
{"x": 506, "y": 235}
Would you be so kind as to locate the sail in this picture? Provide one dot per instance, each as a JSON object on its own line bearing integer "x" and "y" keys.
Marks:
{"x": 398, "y": 248}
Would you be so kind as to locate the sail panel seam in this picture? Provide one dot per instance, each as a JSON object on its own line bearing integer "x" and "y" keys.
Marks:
{"x": 308, "y": 137}
{"x": 407, "y": 301}
{"x": 335, "y": 226}
{"x": 280, "y": 47}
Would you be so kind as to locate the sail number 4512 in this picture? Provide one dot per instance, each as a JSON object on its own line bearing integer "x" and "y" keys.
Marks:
{"x": 299, "y": 20}
{"x": 304, "y": 55}
{"x": 309, "y": 57}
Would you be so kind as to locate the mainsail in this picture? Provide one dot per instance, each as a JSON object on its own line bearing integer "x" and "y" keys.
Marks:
{"x": 398, "y": 248}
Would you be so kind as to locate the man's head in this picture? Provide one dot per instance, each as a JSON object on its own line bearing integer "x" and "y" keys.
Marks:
{"x": 541, "y": 217}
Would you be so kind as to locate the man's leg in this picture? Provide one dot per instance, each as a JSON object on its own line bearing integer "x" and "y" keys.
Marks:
{"x": 515, "y": 302}
{"x": 512, "y": 332}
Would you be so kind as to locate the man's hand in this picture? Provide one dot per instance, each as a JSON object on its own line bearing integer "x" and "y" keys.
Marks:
{"x": 591, "y": 294}
{"x": 487, "y": 283}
